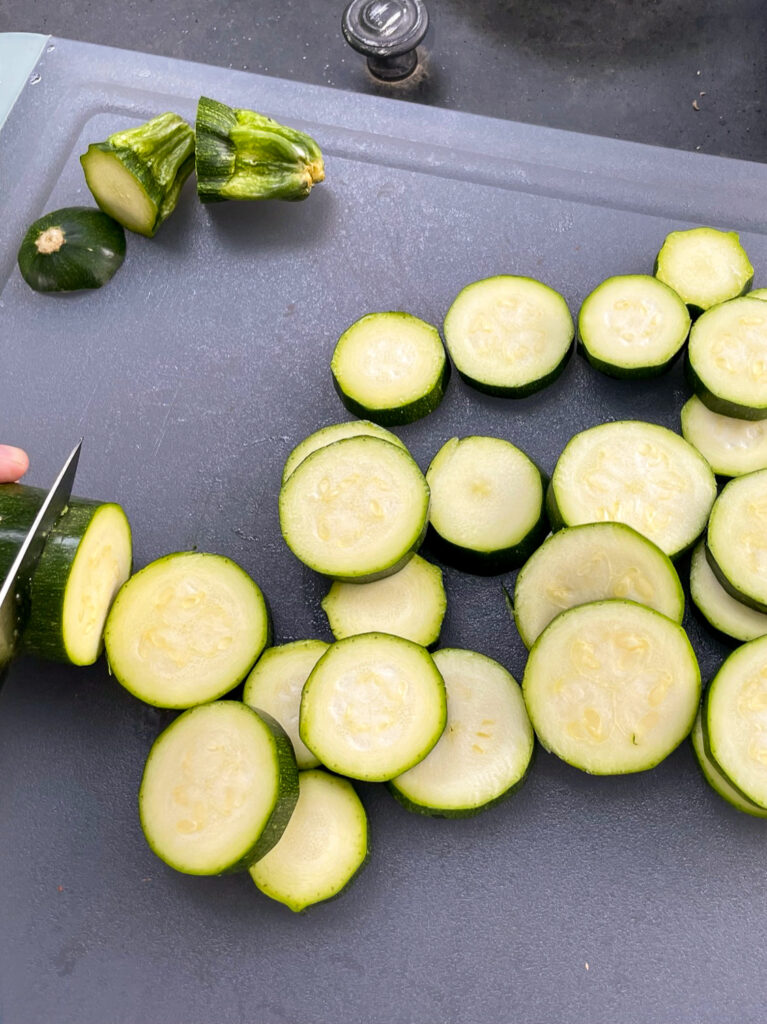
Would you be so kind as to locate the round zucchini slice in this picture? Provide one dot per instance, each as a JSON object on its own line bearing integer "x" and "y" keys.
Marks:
{"x": 635, "y": 473}
{"x": 275, "y": 686}
{"x": 486, "y": 504}
{"x": 732, "y": 447}
{"x": 390, "y": 367}
{"x": 633, "y": 326}
{"x": 70, "y": 249}
{"x": 737, "y": 539}
{"x": 410, "y": 604}
{"x": 487, "y": 746}
{"x": 509, "y": 336}
{"x": 612, "y": 687}
{"x": 323, "y": 847}
{"x": 593, "y": 562}
{"x": 716, "y": 779}
{"x": 356, "y": 509}
{"x": 735, "y": 722}
{"x": 727, "y": 359}
{"x": 336, "y": 432}
{"x": 218, "y": 789}
{"x": 373, "y": 707}
{"x": 704, "y": 267}
{"x": 186, "y": 630}
{"x": 718, "y": 606}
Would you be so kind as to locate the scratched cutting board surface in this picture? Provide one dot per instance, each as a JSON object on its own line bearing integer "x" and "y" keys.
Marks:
{"x": 191, "y": 376}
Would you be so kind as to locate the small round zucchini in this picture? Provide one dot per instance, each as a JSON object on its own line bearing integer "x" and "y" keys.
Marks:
{"x": 391, "y": 368}
{"x": 727, "y": 359}
{"x": 323, "y": 847}
{"x": 509, "y": 336}
{"x": 718, "y": 606}
{"x": 218, "y": 789}
{"x": 373, "y": 707}
{"x": 633, "y": 326}
{"x": 485, "y": 751}
{"x": 612, "y": 687}
{"x": 486, "y": 504}
{"x": 704, "y": 267}
{"x": 336, "y": 432}
{"x": 732, "y": 447}
{"x": 71, "y": 249}
{"x": 716, "y": 779}
{"x": 736, "y": 543}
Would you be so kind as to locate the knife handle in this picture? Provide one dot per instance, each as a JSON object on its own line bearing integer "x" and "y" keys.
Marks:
{"x": 387, "y": 32}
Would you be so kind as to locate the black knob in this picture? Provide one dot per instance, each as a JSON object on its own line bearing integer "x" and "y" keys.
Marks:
{"x": 387, "y": 33}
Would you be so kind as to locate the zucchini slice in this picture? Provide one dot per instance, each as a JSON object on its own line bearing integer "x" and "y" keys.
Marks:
{"x": 487, "y": 746}
{"x": 390, "y": 367}
{"x": 85, "y": 560}
{"x": 410, "y": 604}
{"x": 323, "y": 847}
{"x": 186, "y": 629}
{"x": 336, "y": 432}
{"x": 275, "y": 686}
{"x": 737, "y": 539}
{"x": 612, "y": 687}
{"x": 486, "y": 504}
{"x": 593, "y": 562}
{"x": 71, "y": 249}
{"x": 240, "y": 154}
{"x": 732, "y": 447}
{"x": 704, "y": 267}
{"x": 735, "y": 720}
{"x": 136, "y": 176}
{"x": 356, "y": 509}
{"x": 633, "y": 326}
{"x": 727, "y": 359}
{"x": 635, "y": 473}
{"x": 718, "y": 606}
{"x": 714, "y": 777}
{"x": 758, "y": 293}
{"x": 509, "y": 336}
{"x": 218, "y": 789}
{"x": 373, "y": 706}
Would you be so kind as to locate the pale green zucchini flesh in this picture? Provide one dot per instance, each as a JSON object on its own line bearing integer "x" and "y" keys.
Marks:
{"x": 736, "y": 543}
{"x": 718, "y": 606}
{"x": 715, "y": 777}
{"x": 731, "y": 446}
{"x": 336, "y": 432}
{"x": 704, "y": 266}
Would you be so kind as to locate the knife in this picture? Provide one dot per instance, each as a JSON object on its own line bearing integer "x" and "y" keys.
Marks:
{"x": 14, "y": 589}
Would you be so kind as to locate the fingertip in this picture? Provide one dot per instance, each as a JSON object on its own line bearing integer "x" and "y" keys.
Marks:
{"x": 14, "y": 462}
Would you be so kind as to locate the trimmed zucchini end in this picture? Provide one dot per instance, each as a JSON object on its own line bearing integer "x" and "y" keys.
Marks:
{"x": 117, "y": 192}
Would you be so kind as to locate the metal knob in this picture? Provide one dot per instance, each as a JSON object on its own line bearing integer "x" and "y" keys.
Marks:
{"x": 387, "y": 32}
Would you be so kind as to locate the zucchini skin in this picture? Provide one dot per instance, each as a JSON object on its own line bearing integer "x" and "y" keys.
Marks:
{"x": 240, "y": 154}
{"x": 627, "y": 373}
{"x": 526, "y": 389}
{"x": 487, "y": 563}
{"x": 403, "y": 414}
{"x": 715, "y": 403}
{"x": 89, "y": 253}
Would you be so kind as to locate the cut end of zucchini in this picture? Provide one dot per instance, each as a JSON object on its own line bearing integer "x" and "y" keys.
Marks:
{"x": 704, "y": 266}
{"x": 732, "y": 447}
{"x": 117, "y": 192}
{"x": 737, "y": 538}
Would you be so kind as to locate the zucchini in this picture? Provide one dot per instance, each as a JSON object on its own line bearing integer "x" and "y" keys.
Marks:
{"x": 736, "y": 543}
{"x": 633, "y": 326}
{"x": 727, "y": 359}
{"x": 373, "y": 706}
{"x": 612, "y": 687}
{"x": 390, "y": 367}
{"x": 336, "y": 432}
{"x": 485, "y": 751}
{"x": 718, "y": 606}
{"x": 593, "y": 562}
{"x": 486, "y": 510}
{"x": 186, "y": 629}
{"x": 136, "y": 175}
{"x": 704, "y": 267}
{"x": 323, "y": 847}
{"x": 410, "y": 604}
{"x": 732, "y": 447}
{"x": 734, "y": 720}
{"x": 84, "y": 562}
{"x": 240, "y": 154}
{"x": 356, "y": 509}
{"x": 71, "y": 249}
{"x": 275, "y": 686}
{"x": 758, "y": 293}
{"x": 509, "y": 336}
{"x": 635, "y": 473}
{"x": 218, "y": 789}
{"x": 714, "y": 777}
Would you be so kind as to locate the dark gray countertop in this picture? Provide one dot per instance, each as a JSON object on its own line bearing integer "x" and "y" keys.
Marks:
{"x": 621, "y": 68}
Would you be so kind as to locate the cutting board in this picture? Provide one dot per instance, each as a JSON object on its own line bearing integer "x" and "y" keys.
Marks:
{"x": 191, "y": 376}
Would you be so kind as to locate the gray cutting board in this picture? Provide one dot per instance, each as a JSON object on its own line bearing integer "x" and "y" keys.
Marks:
{"x": 191, "y": 375}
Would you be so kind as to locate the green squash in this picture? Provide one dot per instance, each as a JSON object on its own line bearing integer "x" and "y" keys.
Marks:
{"x": 69, "y": 249}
